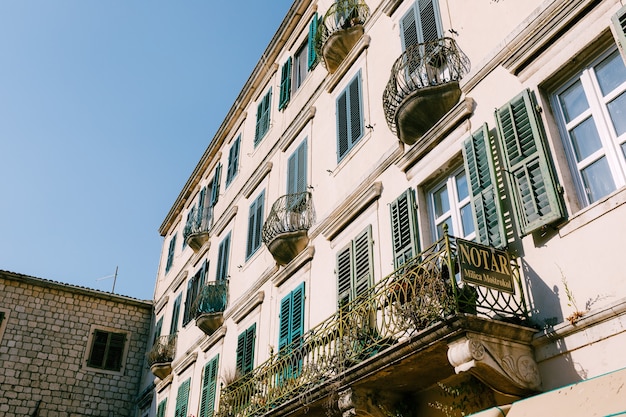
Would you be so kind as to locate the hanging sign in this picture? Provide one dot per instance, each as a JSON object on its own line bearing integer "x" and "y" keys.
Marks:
{"x": 485, "y": 266}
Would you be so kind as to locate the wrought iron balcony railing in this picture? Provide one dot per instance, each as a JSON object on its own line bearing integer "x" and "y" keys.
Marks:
{"x": 421, "y": 66}
{"x": 416, "y": 296}
{"x": 340, "y": 16}
{"x": 163, "y": 351}
{"x": 199, "y": 222}
{"x": 285, "y": 230}
{"x": 212, "y": 298}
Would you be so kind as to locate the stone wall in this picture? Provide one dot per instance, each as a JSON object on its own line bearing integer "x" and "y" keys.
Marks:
{"x": 44, "y": 340}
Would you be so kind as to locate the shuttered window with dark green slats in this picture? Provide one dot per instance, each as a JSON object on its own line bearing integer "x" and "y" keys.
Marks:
{"x": 297, "y": 170}
{"x": 404, "y": 232}
{"x": 209, "y": 387}
{"x": 619, "y": 26}
{"x": 528, "y": 170}
{"x": 245, "y": 351}
{"x": 312, "y": 58}
{"x": 263, "y": 117}
{"x": 182, "y": 399}
{"x": 233, "y": 161}
{"x": 349, "y": 117}
{"x": 175, "y": 314}
{"x": 285, "y": 85}
{"x": 255, "y": 225}
{"x": 170, "y": 254}
{"x": 355, "y": 268}
{"x": 479, "y": 165}
{"x": 107, "y": 350}
{"x": 222, "y": 259}
{"x": 215, "y": 185}
{"x": 162, "y": 408}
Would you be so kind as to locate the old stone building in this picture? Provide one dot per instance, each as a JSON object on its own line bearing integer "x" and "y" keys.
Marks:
{"x": 69, "y": 351}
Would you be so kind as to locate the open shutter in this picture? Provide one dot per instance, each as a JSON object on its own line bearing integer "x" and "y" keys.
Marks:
{"x": 175, "y": 314}
{"x": 162, "y": 408}
{"x": 404, "y": 228}
{"x": 285, "y": 321}
{"x": 233, "y": 160}
{"x": 312, "y": 58}
{"x": 285, "y": 85}
{"x": 157, "y": 330}
{"x": 209, "y": 385}
{"x": 342, "y": 125}
{"x": 430, "y": 26}
{"x": 619, "y": 30}
{"x": 344, "y": 275}
{"x": 526, "y": 163}
{"x": 356, "y": 117}
{"x": 297, "y": 313}
{"x": 248, "y": 363}
{"x": 201, "y": 202}
{"x": 408, "y": 29}
{"x": 241, "y": 348}
{"x": 297, "y": 170}
{"x": 182, "y": 399}
{"x": 363, "y": 262}
{"x": 222, "y": 259}
{"x": 480, "y": 169}
{"x": 215, "y": 191}
{"x": 349, "y": 117}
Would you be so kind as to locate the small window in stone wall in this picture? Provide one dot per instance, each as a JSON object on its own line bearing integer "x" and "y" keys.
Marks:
{"x": 4, "y": 319}
{"x": 106, "y": 349}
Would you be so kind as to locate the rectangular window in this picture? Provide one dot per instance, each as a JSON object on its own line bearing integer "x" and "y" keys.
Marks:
{"x": 255, "y": 225}
{"x": 222, "y": 259}
{"x": 170, "y": 254}
{"x": 591, "y": 109}
{"x": 285, "y": 85}
{"x": 245, "y": 351}
{"x": 194, "y": 286}
{"x": 349, "y": 117}
{"x": 182, "y": 399}
{"x": 215, "y": 185}
{"x": 355, "y": 268}
{"x": 175, "y": 314}
{"x": 449, "y": 204}
{"x": 209, "y": 386}
{"x": 422, "y": 23}
{"x": 107, "y": 350}
{"x": 162, "y": 408}
{"x": 263, "y": 117}
{"x": 297, "y": 170}
{"x": 300, "y": 67}
{"x": 233, "y": 161}
{"x": 529, "y": 171}
{"x": 404, "y": 232}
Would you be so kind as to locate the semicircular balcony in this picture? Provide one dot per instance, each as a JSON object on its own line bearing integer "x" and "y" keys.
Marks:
{"x": 161, "y": 355}
{"x": 209, "y": 306}
{"x": 196, "y": 231}
{"x": 341, "y": 28}
{"x": 285, "y": 232}
{"x": 423, "y": 87}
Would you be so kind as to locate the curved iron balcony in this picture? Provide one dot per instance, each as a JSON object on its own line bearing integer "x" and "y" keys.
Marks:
{"x": 196, "y": 231}
{"x": 414, "y": 301}
{"x": 209, "y": 306}
{"x": 341, "y": 28}
{"x": 423, "y": 87}
{"x": 161, "y": 355}
{"x": 286, "y": 227}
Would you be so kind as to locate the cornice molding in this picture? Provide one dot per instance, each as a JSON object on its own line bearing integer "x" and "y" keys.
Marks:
{"x": 249, "y": 306}
{"x": 223, "y": 221}
{"x": 210, "y": 341}
{"x": 256, "y": 178}
{"x": 294, "y": 266}
{"x": 160, "y": 304}
{"x": 295, "y": 128}
{"x": 185, "y": 363}
{"x": 346, "y": 64}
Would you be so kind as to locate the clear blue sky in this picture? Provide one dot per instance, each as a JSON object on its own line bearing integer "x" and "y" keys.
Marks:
{"x": 106, "y": 106}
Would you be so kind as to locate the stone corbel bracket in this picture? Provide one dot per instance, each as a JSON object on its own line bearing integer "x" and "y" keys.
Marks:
{"x": 507, "y": 367}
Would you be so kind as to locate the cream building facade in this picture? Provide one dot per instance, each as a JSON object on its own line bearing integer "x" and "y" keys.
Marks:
{"x": 412, "y": 208}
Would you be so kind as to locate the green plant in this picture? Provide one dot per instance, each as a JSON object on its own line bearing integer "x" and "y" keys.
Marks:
{"x": 466, "y": 397}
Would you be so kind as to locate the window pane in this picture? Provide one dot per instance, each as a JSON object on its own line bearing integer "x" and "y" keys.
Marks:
{"x": 617, "y": 110}
{"x": 598, "y": 180}
{"x": 440, "y": 201}
{"x": 467, "y": 220}
{"x": 448, "y": 221}
{"x": 573, "y": 101}
{"x": 461, "y": 186}
{"x": 585, "y": 139}
{"x": 611, "y": 73}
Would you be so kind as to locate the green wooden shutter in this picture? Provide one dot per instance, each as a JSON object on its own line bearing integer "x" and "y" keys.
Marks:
{"x": 233, "y": 160}
{"x": 209, "y": 386}
{"x": 343, "y": 142}
{"x": 297, "y": 170}
{"x": 480, "y": 169}
{"x": 344, "y": 275}
{"x": 619, "y": 26}
{"x": 175, "y": 314}
{"x": 245, "y": 350}
{"x": 157, "y": 330}
{"x": 403, "y": 212}
{"x": 356, "y": 116}
{"x": 162, "y": 408}
{"x": 285, "y": 85}
{"x": 170, "y": 254}
{"x": 215, "y": 190}
{"x": 240, "y": 353}
{"x": 349, "y": 117}
{"x": 222, "y": 259}
{"x": 529, "y": 172}
{"x": 312, "y": 58}
{"x": 297, "y": 313}
{"x": 284, "y": 320}
{"x": 363, "y": 262}
{"x": 255, "y": 225}
{"x": 115, "y": 351}
{"x": 182, "y": 399}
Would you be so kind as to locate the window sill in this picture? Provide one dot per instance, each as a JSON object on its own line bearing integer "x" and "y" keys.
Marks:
{"x": 596, "y": 210}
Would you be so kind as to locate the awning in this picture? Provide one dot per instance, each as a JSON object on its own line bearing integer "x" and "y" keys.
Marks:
{"x": 604, "y": 395}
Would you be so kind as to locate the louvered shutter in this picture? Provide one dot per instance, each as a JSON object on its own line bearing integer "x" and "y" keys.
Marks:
{"x": 430, "y": 26}
{"x": 215, "y": 190}
{"x": 297, "y": 170}
{"x": 525, "y": 158}
{"x": 233, "y": 160}
{"x": 349, "y": 117}
{"x": 175, "y": 314}
{"x": 255, "y": 224}
{"x": 363, "y": 262}
{"x": 408, "y": 29}
{"x": 284, "y": 329}
{"x": 241, "y": 348}
{"x": 343, "y": 142}
{"x": 162, "y": 408}
{"x": 404, "y": 228}
{"x": 209, "y": 386}
{"x": 619, "y": 29}
{"x": 189, "y": 299}
{"x": 356, "y": 119}
{"x": 285, "y": 85}
{"x": 248, "y": 363}
{"x": 201, "y": 201}
{"x": 182, "y": 399}
{"x": 222, "y": 259}
{"x": 115, "y": 351}
{"x": 480, "y": 168}
{"x": 312, "y": 58}
{"x": 157, "y": 330}
{"x": 344, "y": 275}
{"x": 297, "y": 316}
